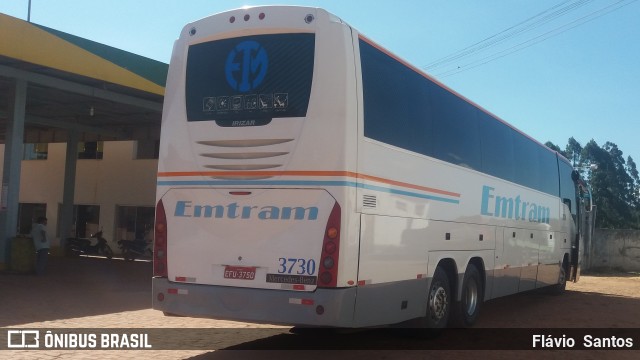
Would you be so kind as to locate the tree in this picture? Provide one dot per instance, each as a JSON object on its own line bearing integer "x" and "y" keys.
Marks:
{"x": 634, "y": 190}
{"x": 573, "y": 152}
{"x": 614, "y": 182}
{"x": 555, "y": 147}
{"x": 634, "y": 185}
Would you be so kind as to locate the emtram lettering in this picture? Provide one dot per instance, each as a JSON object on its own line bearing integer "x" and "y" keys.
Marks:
{"x": 512, "y": 208}
{"x": 186, "y": 208}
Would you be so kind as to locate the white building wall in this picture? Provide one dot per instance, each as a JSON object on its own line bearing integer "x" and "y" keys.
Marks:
{"x": 117, "y": 179}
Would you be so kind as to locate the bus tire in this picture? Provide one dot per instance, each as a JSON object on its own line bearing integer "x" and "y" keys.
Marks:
{"x": 558, "y": 289}
{"x": 438, "y": 301}
{"x": 465, "y": 312}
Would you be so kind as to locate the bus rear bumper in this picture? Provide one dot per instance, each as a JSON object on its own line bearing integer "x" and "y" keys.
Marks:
{"x": 322, "y": 307}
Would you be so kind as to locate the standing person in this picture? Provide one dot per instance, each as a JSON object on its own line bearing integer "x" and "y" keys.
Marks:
{"x": 41, "y": 243}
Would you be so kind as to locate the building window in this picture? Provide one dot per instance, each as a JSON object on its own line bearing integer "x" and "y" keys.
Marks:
{"x": 147, "y": 149}
{"x": 27, "y": 216}
{"x": 86, "y": 220}
{"x": 90, "y": 149}
{"x": 134, "y": 222}
{"x": 36, "y": 151}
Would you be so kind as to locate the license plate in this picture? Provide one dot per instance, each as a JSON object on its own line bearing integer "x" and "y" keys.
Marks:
{"x": 239, "y": 272}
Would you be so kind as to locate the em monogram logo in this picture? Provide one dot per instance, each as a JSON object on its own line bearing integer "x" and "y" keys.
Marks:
{"x": 246, "y": 66}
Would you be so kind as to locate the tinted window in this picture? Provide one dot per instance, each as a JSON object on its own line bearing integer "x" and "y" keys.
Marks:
{"x": 527, "y": 161}
{"x": 249, "y": 78}
{"x": 549, "y": 171}
{"x": 396, "y": 109}
{"x": 406, "y": 109}
{"x": 455, "y": 129}
{"x": 567, "y": 186}
{"x": 497, "y": 148}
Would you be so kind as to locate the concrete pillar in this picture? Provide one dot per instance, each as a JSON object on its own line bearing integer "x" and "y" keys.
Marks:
{"x": 12, "y": 167}
{"x": 71, "y": 159}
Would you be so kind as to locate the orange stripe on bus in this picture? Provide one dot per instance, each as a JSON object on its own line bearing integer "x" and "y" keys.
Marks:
{"x": 306, "y": 173}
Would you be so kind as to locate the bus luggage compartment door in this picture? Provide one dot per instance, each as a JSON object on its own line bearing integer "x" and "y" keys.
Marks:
{"x": 255, "y": 238}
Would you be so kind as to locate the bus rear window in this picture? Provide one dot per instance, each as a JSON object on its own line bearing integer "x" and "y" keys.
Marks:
{"x": 258, "y": 77}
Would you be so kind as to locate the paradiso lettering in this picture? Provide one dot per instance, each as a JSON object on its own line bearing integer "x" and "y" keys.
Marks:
{"x": 234, "y": 211}
{"x": 512, "y": 208}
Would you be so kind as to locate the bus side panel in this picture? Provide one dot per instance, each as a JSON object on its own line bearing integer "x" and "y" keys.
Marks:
{"x": 391, "y": 302}
{"x": 552, "y": 251}
{"x": 505, "y": 277}
{"x": 396, "y": 248}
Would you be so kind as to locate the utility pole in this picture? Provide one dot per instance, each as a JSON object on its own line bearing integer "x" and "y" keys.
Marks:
{"x": 29, "y": 12}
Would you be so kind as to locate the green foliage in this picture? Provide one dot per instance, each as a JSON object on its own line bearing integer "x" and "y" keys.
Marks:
{"x": 614, "y": 182}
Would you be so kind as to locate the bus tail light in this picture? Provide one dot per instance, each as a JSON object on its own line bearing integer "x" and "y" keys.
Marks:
{"x": 160, "y": 243}
{"x": 328, "y": 275}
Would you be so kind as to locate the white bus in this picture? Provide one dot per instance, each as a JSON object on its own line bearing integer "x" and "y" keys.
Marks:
{"x": 307, "y": 176}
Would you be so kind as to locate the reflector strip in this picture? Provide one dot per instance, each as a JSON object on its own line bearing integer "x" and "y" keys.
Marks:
{"x": 298, "y": 287}
{"x": 421, "y": 276}
{"x": 297, "y": 301}
{"x": 185, "y": 279}
{"x": 363, "y": 282}
{"x": 178, "y": 291}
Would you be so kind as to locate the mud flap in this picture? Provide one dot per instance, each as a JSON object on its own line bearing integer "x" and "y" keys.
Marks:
{"x": 574, "y": 269}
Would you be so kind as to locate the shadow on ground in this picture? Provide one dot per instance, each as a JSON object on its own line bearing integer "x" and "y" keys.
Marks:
{"x": 505, "y": 324}
{"x": 75, "y": 287}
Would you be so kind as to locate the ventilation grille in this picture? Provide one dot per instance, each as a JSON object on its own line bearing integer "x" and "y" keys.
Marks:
{"x": 243, "y": 155}
{"x": 244, "y": 143}
{"x": 237, "y": 155}
{"x": 369, "y": 201}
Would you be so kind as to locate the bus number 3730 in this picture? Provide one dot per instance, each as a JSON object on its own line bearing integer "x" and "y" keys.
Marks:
{"x": 296, "y": 266}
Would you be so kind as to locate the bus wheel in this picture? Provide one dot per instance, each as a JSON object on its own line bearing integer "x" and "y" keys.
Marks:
{"x": 465, "y": 311}
{"x": 439, "y": 301}
{"x": 558, "y": 289}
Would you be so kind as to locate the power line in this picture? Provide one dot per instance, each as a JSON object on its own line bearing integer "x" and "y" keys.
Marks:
{"x": 527, "y": 25}
{"x": 528, "y": 43}
{"x": 523, "y": 26}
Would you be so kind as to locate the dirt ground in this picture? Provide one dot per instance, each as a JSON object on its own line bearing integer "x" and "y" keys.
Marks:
{"x": 597, "y": 300}
{"x": 96, "y": 293}
{"x": 600, "y": 304}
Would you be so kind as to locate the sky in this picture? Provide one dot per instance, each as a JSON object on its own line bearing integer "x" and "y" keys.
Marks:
{"x": 552, "y": 68}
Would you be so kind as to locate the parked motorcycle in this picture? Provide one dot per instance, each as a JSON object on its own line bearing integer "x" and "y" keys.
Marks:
{"x": 133, "y": 249}
{"x": 83, "y": 246}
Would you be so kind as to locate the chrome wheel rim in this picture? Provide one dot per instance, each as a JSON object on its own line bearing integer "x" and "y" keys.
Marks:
{"x": 438, "y": 302}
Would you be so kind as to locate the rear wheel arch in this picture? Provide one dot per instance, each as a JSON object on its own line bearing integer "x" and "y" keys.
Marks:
{"x": 450, "y": 267}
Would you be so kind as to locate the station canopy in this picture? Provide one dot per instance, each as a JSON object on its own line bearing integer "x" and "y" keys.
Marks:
{"x": 102, "y": 92}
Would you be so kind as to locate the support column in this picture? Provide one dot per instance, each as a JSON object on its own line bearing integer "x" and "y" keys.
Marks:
{"x": 12, "y": 167}
{"x": 66, "y": 214}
